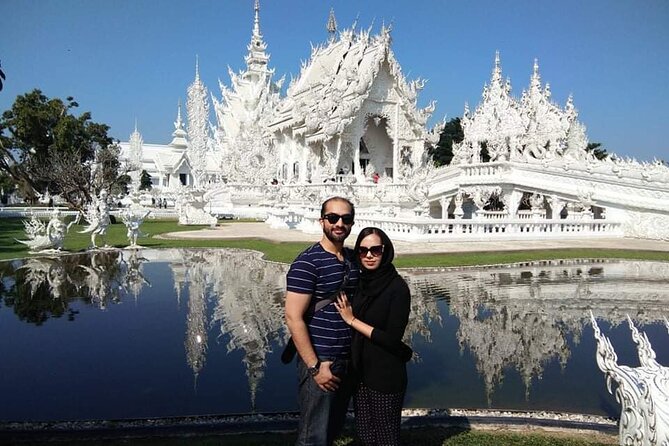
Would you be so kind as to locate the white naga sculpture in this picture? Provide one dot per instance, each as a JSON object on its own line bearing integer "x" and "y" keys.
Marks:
{"x": 47, "y": 237}
{"x": 97, "y": 217}
{"x": 133, "y": 219}
{"x": 191, "y": 208}
{"x": 643, "y": 391}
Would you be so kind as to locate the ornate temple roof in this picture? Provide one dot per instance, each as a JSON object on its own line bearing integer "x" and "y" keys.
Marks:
{"x": 333, "y": 84}
{"x": 534, "y": 127}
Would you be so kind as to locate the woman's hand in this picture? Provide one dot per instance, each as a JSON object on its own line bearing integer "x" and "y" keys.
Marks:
{"x": 344, "y": 308}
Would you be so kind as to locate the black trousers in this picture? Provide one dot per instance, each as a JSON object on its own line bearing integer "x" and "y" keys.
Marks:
{"x": 377, "y": 416}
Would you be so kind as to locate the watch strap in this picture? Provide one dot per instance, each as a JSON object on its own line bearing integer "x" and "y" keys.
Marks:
{"x": 313, "y": 370}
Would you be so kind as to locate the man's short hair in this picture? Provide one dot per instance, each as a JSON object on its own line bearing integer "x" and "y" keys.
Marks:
{"x": 345, "y": 200}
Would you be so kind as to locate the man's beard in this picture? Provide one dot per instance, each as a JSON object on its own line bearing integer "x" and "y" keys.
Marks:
{"x": 336, "y": 238}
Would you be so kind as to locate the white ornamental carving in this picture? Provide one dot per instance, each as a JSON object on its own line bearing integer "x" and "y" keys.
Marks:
{"x": 198, "y": 127}
{"x": 532, "y": 128}
{"x": 643, "y": 392}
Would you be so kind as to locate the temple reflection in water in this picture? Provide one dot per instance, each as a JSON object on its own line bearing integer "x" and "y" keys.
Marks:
{"x": 520, "y": 317}
{"x": 507, "y": 318}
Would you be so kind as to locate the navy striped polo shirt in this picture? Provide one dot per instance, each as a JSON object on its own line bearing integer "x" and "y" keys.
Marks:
{"x": 319, "y": 273}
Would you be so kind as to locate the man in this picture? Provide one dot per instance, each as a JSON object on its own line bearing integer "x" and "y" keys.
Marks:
{"x": 323, "y": 341}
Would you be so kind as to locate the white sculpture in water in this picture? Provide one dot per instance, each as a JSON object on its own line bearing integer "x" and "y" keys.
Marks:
{"x": 643, "y": 392}
{"x": 47, "y": 237}
{"x": 97, "y": 217}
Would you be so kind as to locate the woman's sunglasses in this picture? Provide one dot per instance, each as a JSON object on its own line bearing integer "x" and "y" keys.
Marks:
{"x": 375, "y": 250}
{"x": 333, "y": 218}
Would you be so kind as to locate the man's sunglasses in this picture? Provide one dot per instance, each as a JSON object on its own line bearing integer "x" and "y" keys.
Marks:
{"x": 333, "y": 218}
{"x": 375, "y": 250}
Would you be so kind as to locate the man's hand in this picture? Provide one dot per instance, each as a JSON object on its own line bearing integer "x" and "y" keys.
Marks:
{"x": 325, "y": 379}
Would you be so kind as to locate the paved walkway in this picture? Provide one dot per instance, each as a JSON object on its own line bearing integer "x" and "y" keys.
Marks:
{"x": 263, "y": 231}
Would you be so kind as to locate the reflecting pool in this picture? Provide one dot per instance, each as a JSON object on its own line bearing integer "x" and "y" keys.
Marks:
{"x": 153, "y": 333}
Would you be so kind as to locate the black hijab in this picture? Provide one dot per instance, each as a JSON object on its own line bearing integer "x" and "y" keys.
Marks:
{"x": 373, "y": 282}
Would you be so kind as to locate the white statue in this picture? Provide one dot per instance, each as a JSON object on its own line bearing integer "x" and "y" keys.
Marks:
{"x": 56, "y": 229}
{"x": 46, "y": 237}
{"x": 97, "y": 217}
{"x": 132, "y": 221}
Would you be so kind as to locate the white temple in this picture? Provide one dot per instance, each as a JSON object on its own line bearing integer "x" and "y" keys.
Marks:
{"x": 349, "y": 124}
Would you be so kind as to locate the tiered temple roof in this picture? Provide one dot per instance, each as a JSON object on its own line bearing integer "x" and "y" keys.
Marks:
{"x": 532, "y": 128}
{"x": 332, "y": 86}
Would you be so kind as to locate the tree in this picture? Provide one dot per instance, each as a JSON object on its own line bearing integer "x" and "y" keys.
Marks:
{"x": 442, "y": 153}
{"x": 44, "y": 146}
{"x": 145, "y": 181}
{"x": 7, "y": 186}
{"x": 598, "y": 152}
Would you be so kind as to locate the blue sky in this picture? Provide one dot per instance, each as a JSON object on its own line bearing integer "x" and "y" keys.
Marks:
{"x": 134, "y": 59}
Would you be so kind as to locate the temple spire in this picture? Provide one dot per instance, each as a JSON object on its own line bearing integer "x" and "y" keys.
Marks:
{"x": 179, "y": 134}
{"x": 135, "y": 155}
{"x": 535, "y": 80}
{"x": 332, "y": 25}
{"x": 256, "y": 20}
{"x": 197, "y": 68}
{"x": 496, "y": 78}
{"x": 179, "y": 123}
{"x": 256, "y": 59}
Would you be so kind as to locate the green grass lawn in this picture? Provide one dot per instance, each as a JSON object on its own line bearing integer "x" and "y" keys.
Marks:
{"x": 11, "y": 230}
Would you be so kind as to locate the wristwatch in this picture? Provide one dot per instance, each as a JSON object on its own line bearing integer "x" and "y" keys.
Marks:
{"x": 313, "y": 371}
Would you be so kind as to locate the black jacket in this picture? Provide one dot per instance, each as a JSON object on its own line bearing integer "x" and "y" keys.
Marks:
{"x": 378, "y": 360}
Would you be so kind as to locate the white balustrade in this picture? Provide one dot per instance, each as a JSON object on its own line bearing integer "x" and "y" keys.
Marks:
{"x": 495, "y": 215}
{"x": 497, "y": 229}
{"x": 39, "y": 212}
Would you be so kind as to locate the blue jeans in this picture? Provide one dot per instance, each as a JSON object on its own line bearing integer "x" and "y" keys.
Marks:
{"x": 322, "y": 414}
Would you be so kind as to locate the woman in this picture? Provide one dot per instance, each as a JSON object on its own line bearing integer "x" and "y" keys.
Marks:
{"x": 379, "y": 315}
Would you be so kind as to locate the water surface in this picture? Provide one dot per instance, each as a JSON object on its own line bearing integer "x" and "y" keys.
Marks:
{"x": 140, "y": 334}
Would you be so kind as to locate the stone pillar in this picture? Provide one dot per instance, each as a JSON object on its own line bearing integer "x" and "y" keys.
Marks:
{"x": 511, "y": 200}
{"x": 444, "y": 202}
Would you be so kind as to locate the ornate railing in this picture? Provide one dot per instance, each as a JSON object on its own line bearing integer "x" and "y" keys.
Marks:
{"x": 445, "y": 230}
{"x": 46, "y": 212}
{"x": 39, "y": 212}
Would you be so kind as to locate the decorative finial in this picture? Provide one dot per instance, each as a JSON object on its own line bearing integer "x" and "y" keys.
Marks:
{"x": 497, "y": 71}
{"x": 197, "y": 68}
{"x": 179, "y": 123}
{"x": 256, "y": 20}
{"x": 332, "y": 24}
{"x": 535, "y": 81}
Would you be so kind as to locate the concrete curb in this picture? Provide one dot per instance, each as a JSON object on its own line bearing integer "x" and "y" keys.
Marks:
{"x": 287, "y": 422}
